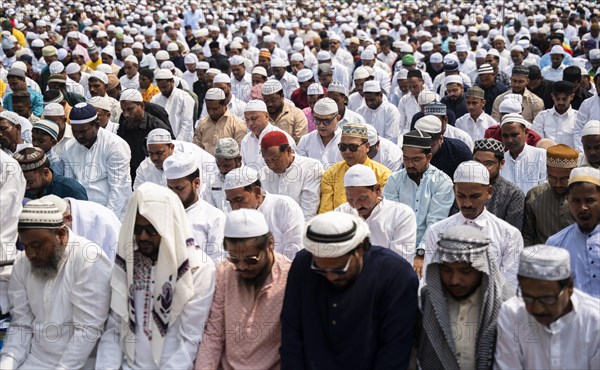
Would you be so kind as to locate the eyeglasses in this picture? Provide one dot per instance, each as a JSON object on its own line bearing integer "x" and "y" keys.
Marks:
{"x": 335, "y": 272}
{"x": 548, "y": 300}
{"x": 412, "y": 160}
{"x": 353, "y": 147}
{"x": 326, "y": 122}
{"x": 253, "y": 260}
{"x": 149, "y": 229}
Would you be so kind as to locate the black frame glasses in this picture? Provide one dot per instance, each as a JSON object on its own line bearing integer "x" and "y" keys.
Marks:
{"x": 149, "y": 229}
{"x": 319, "y": 121}
{"x": 352, "y": 147}
{"x": 548, "y": 300}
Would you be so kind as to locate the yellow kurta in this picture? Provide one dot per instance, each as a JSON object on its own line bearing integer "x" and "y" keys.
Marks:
{"x": 150, "y": 92}
{"x": 208, "y": 132}
{"x": 93, "y": 65}
{"x": 333, "y": 193}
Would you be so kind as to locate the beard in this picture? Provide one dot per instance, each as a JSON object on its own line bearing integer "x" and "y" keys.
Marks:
{"x": 51, "y": 269}
{"x": 255, "y": 284}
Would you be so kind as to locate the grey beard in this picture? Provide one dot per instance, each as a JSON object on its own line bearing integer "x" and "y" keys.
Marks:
{"x": 51, "y": 270}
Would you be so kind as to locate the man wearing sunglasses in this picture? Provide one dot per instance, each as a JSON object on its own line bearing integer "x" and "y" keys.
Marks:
{"x": 551, "y": 324}
{"x": 354, "y": 146}
{"x": 347, "y": 304}
{"x": 243, "y": 328}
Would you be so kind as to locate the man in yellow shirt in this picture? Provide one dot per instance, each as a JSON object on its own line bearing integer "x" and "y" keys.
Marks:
{"x": 95, "y": 59}
{"x": 7, "y": 26}
{"x": 354, "y": 146}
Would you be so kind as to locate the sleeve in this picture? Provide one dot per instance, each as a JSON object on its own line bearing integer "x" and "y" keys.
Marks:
{"x": 537, "y": 105}
{"x": 294, "y": 229}
{"x": 37, "y": 104}
{"x": 186, "y": 119}
{"x": 393, "y": 127}
{"x": 508, "y": 350}
{"x": 580, "y": 121}
{"x": 496, "y": 109}
{"x": 429, "y": 243}
{"x": 192, "y": 320}
{"x": 240, "y": 131}
{"x": 405, "y": 235}
{"x": 301, "y": 147}
{"x": 300, "y": 125}
{"x": 529, "y": 222}
{"x": 310, "y": 196}
{"x": 20, "y": 331}
{"x": 139, "y": 177}
{"x": 78, "y": 191}
{"x": 110, "y": 355}
{"x": 404, "y": 122}
{"x": 516, "y": 204}
{"x": 292, "y": 337}
{"x": 538, "y": 125}
{"x": 327, "y": 185}
{"x": 91, "y": 300}
{"x": 390, "y": 190}
{"x": 511, "y": 252}
{"x": 441, "y": 200}
{"x": 398, "y": 310}
{"x": 119, "y": 177}
{"x": 216, "y": 232}
{"x": 198, "y": 134}
{"x": 213, "y": 341}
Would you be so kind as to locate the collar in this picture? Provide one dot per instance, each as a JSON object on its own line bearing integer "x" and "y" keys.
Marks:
{"x": 555, "y": 113}
{"x": 480, "y": 221}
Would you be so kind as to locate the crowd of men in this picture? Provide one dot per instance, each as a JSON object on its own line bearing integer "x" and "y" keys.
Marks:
{"x": 330, "y": 185}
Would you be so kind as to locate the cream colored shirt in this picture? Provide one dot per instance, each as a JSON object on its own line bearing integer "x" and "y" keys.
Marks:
{"x": 208, "y": 132}
{"x": 464, "y": 321}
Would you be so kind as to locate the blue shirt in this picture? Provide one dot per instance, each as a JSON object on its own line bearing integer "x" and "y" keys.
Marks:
{"x": 368, "y": 325}
{"x": 452, "y": 153}
{"x": 37, "y": 102}
{"x": 584, "y": 249}
{"x": 62, "y": 187}
{"x": 431, "y": 200}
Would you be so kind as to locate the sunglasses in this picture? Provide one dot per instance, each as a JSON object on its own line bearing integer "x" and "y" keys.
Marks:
{"x": 353, "y": 147}
{"x": 325, "y": 122}
{"x": 149, "y": 229}
{"x": 321, "y": 271}
{"x": 248, "y": 260}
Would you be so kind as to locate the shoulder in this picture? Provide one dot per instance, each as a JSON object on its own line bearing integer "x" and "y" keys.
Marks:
{"x": 587, "y": 306}
{"x": 514, "y": 307}
{"x": 503, "y": 225}
{"x": 557, "y": 239}
{"x": 391, "y": 264}
{"x": 537, "y": 191}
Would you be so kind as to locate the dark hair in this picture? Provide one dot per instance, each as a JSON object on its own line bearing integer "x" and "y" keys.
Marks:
{"x": 284, "y": 148}
{"x": 535, "y": 73}
{"x": 562, "y": 87}
{"x": 572, "y": 74}
{"x": 260, "y": 242}
{"x": 252, "y": 186}
{"x": 193, "y": 176}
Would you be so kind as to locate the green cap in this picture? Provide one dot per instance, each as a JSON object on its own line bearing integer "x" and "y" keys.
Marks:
{"x": 408, "y": 60}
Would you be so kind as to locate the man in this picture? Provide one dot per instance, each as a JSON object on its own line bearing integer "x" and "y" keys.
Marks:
{"x": 464, "y": 283}
{"x": 162, "y": 287}
{"x": 582, "y": 239}
{"x": 392, "y": 225}
{"x": 284, "y": 216}
{"x": 381, "y": 114}
{"x": 475, "y": 121}
{"x": 383, "y": 151}
{"x": 227, "y": 158}
{"x": 525, "y": 165}
{"x": 40, "y": 178}
{"x": 490, "y": 87}
{"x": 131, "y": 78}
{"x": 256, "y": 117}
{"x": 590, "y": 140}
{"x": 299, "y": 96}
{"x": 322, "y": 143}
{"x": 17, "y": 82}
{"x": 539, "y": 86}
{"x": 98, "y": 84}
{"x": 255, "y": 276}
{"x": 507, "y": 199}
{"x": 241, "y": 83}
{"x": 137, "y": 124}
{"x": 61, "y": 281}
{"x": 219, "y": 123}
{"x": 178, "y": 104}
{"x": 420, "y": 185}
{"x": 183, "y": 178}
{"x": 532, "y": 104}
{"x": 554, "y": 72}
{"x": 103, "y": 110}
{"x": 287, "y": 174}
{"x": 283, "y": 115}
{"x": 472, "y": 190}
{"x": 11, "y": 128}
{"x": 234, "y": 105}
{"x": 280, "y": 73}
{"x": 589, "y": 110}
{"x": 551, "y": 307}
{"x": 546, "y": 206}
{"x": 455, "y": 98}
{"x": 573, "y": 74}
{"x": 339, "y": 94}
{"x": 340, "y": 267}
{"x": 98, "y": 160}
{"x": 558, "y": 122}
{"x": 354, "y": 147}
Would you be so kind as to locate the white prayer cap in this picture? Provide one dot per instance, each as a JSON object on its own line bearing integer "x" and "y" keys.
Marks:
{"x": 514, "y": 118}
{"x": 56, "y": 67}
{"x": 323, "y": 55}
{"x": 278, "y": 63}
{"x": 227, "y": 148}
{"x": 518, "y": 48}
{"x": 53, "y": 110}
{"x": 406, "y": 48}
{"x": 101, "y": 34}
{"x": 335, "y": 36}
{"x": 462, "y": 48}
{"x": 591, "y": 128}
{"x": 73, "y": 35}
{"x": 202, "y": 32}
{"x": 163, "y": 74}
{"x": 510, "y": 106}
{"x": 256, "y": 106}
{"x": 524, "y": 43}
{"x": 304, "y": 75}
{"x": 338, "y": 88}
{"x": 236, "y": 60}
{"x": 240, "y": 177}
{"x": 100, "y": 76}
{"x": 436, "y": 58}
{"x": 190, "y": 59}
{"x": 213, "y": 71}
{"x": 315, "y": 89}
{"x": 109, "y": 50}
{"x": 126, "y": 52}
{"x": 37, "y": 43}
{"x": 372, "y": 133}
{"x": 203, "y": 65}
{"x": 430, "y": 124}
{"x": 402, "y": 74}
{"x": 137, "y": 45}
{"x": 543, "y": 262}
{"x": 472, "y": 172}
{"x": 367, "y": 55}
{"x": 60, "y": 203}
{"x": 71, "y": 68}
{"x": 594, "y": 54}
{"x": 222, "y": 78}
{"x": 131, "y": 95}
{"x": 557, "y": 49}
{"x": 360, "y": 73}
{"x": 100, "y": 102}
{"x": 325, "y": 106}
{"x": 162, "y": 55}
{"x": 167, "y": 64}
{"x": 179, "y": 165}
{"x": 271, "y": 87}
{"x": 20, "y": 65}
{"x": 269, "y": 38}
{"x": 372, "y": 86}
{"x": 132, "y": 59}
{"x": 453, "y": 79}
{"x": 296, "y": 57}
{"x": 359, "y": 175}
{"x": 172, "y": 47}
{"x": 159, "y": 136}
{"x": 215, "y": 94}
{"x": 585, "y": 174}
{"x": 334, "y": 234}
{"x": 245, "y": 223}
{"x": 155, "y": 45}
{"x": 427, "y": 97}
{"x": 259, "y": 71}
{"x": 236, "y": 45}
{"x": 40, "y": 214}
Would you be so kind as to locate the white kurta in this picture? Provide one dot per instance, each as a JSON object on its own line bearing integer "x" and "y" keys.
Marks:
{"x": 208, "y": 226}
{"x": 242, "y": 89}
{"x": 183, "y": 335}
{"x": 180, "y": 107}
{"x": 558, "y": 127}
{"x": 355, "y": 100}
{"x": 286, "y": 222}
{"x": 189, "y": 78}
{"x": 215, "y": 195}
{"x": 289, "y": 83}
{"x": 407, "y": 107}
{"x": 456, "y": 133}
{"x": 528, "y": 170}
{"x": 389, "y": 154}
{"x": 392, "y": 225}
{"x": 350, "y": 116}
{"x": 505, "y": 247}
{"x": 301, "y": 181}
{"x": 130, "y": 83}
{"x": 235, "y": 106}
{"x": 250, "y": 147}
{"x": 56, "y": 322}
{"x": 588, "y": 110}
{"x": 385, "y": 119}
{"x": 103, "y": 170}
{"x": 475, "y": 128}
{"x": 571, "y": 342}
{"x": 552, "y": 74}
{"x": 311, "y": 145}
